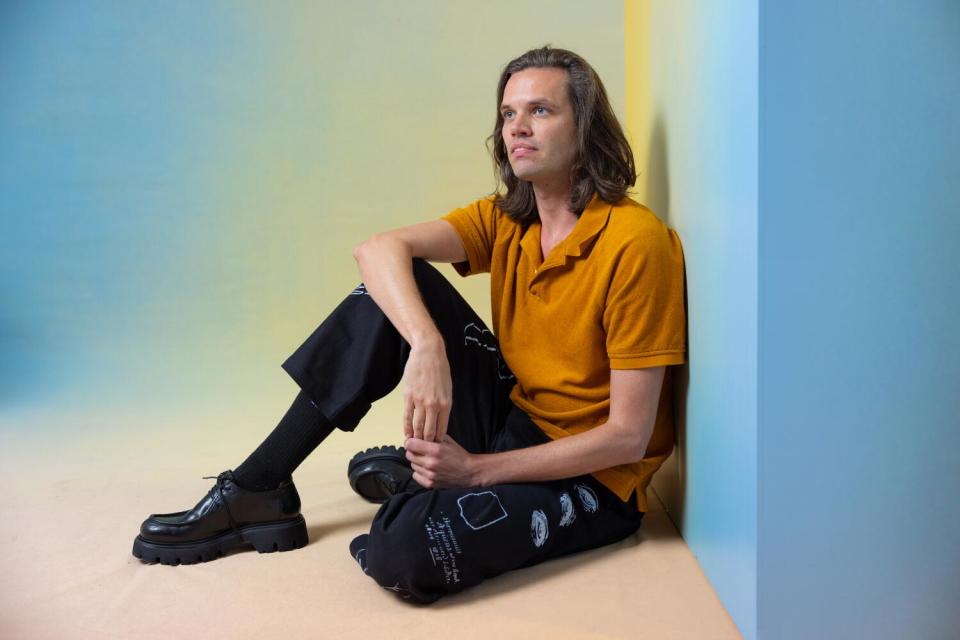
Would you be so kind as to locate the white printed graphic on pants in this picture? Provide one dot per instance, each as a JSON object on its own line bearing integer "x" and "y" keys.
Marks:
{"x": 568, "y": 514}
{"x": 588, "y": 498}
{"x": 443, "y": 547}
{"x": 480, "y": 337}
{"x": 396, "y": 588}
{"x": 481, "y": 510}
{"x": 538, "y": 527}
{"x": 361, "y": 290}
{"x": 361, "y": 559}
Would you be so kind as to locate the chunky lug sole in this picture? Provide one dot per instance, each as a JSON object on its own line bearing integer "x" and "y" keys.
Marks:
{"x": 266, "y": 537}
{"x": 366, "y": 472}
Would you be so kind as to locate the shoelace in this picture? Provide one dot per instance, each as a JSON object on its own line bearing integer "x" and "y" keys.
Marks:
{"x": 221, "y": 481}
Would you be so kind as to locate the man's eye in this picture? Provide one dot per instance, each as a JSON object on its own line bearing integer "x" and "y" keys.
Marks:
{"x": 506, "y": 114}
{"x": 544, "y": 109}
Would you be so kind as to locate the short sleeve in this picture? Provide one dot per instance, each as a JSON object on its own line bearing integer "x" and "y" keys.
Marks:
{"x": 644, "y": 315}
{"x": 476, "y": 225}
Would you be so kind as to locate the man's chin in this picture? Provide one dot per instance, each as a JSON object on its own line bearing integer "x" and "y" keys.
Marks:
{"x": 525, "y": 174}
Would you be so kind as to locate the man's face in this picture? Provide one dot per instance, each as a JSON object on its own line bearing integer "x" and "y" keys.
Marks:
{"x": 539, "y": 127}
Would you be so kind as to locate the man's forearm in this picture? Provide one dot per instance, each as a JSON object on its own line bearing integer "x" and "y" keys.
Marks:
{"x": 385, "y": 266}
{"x": 600, "y": 448}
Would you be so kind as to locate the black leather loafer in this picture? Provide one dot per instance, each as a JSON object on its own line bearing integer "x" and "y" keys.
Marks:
{"x": 228, "y": 516}
{"x": 380, "y": 472}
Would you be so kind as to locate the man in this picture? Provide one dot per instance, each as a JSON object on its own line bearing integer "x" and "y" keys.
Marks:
{"x": 523, "y": 444}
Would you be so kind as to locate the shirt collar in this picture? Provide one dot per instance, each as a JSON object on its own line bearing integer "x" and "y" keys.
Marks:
{"x": 591, "y": 222}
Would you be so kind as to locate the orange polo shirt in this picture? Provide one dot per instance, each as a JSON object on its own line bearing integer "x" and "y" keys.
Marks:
{"x": 609, "y": 296}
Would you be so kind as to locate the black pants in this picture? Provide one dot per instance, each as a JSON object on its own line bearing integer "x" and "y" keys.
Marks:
{"x": 434, "y": 542}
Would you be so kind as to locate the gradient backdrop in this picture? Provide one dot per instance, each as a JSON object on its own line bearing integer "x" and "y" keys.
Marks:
{"x": 182, "y": 183}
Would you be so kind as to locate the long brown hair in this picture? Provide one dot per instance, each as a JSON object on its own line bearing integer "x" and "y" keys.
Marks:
{"x": 604, "y": 160}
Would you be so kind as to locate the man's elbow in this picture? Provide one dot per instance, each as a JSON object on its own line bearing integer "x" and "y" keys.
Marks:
{"x": 358, "y": 249}
{"x": 632, "y": 443}
{"x": 637, "y": 451}
{"x": 380, "y": 243}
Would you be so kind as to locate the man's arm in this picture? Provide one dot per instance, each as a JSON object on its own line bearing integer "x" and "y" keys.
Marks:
{"x": 385, "y": 262}
{"x": 634, "y": 397}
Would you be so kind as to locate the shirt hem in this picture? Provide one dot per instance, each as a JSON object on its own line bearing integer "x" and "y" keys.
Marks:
{"x": 472, "y": 264}
{"x": 654, "y": 359}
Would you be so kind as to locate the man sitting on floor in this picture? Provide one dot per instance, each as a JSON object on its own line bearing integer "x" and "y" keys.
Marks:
{"x": 525, "y": 443}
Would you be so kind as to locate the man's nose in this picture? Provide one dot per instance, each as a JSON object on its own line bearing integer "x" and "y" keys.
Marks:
{"x": 520, "y": 126}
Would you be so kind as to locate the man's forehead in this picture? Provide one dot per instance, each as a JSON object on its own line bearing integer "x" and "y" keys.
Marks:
{"x": 536, "y": 84}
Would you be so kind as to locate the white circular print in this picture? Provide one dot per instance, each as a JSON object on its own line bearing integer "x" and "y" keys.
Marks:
{"x": 588, "y": 498}
{"x": 538, "y": 527}
{"x": 568, "y": 513}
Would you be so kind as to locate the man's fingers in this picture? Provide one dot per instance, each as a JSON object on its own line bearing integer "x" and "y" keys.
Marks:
{"x": 430, "y": 425}
{"x": 418, "y": 449}
{"x": 407, "y": 418}
{"x": 418, "y": 420}
{"x": 443, "y": 422}
{"x": 424, "y": 472}
{"x": 420, "y": 480}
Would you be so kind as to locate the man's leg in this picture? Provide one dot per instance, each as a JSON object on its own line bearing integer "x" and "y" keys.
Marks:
{"x": 298, "y": 433}
{"x": 353, "y": 358}
{"x": 357, "y": 356}
{"x": 431, "y": 543}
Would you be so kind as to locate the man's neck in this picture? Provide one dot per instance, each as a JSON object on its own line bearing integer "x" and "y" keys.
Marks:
{"x": 556, "y": 220}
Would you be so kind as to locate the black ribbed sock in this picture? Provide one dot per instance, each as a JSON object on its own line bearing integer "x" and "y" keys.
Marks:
{"x": 299, "y": 432}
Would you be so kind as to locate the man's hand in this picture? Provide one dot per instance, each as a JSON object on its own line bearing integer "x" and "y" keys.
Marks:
{"x": 439, "y": 465}
{"x": 427, "y": 392}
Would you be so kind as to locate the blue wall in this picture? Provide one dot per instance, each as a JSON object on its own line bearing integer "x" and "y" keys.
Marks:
{"x": 693, "y": 117}
{"x": 859, "y": 312}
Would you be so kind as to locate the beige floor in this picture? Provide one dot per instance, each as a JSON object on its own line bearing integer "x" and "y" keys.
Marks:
{"x": 76, "y": 489}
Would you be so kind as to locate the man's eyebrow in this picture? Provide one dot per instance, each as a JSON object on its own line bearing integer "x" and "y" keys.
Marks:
{"x": 534, "y": 101}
